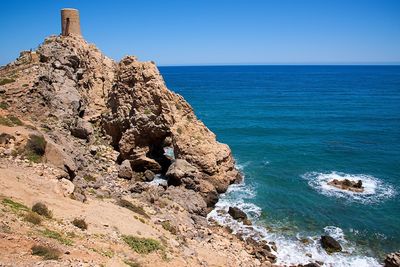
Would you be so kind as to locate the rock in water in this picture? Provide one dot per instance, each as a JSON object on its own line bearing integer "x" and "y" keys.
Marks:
{"x": 330, "y": 244}
{"x": 348, "y": 185}
{"x": 237, "y": 213}
{"x": 393, "y": 260}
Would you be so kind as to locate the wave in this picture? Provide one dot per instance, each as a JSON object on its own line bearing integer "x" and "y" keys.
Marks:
{"x": 374, "y": 189}
{"x": 291, "y": 250}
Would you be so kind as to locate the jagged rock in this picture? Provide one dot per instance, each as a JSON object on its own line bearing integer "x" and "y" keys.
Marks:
{"x": 348, "y": 185}
{"x": 237, "y": 213}
{"x": 2, "y": 90}
{"x": 180, "y": 169}
{"x": 393, "y": 260}
{"x": 330, "y": 244}
{"x": 311, "y": 264}
{"x": 145, "y": 117}
{"x": 125, "y": 170}
{"x": 188, "y": 199}
{"x": 81, "y": 129}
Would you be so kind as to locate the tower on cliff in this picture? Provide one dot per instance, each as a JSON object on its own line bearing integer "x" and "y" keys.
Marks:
{"x": 70, "y": 22}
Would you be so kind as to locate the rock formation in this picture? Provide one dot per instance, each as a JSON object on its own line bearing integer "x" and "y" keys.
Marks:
{"x": 392, "y": 260}
{"x": 348, "y": 185}
{"x": 330, "y": 244}
{"x": 146, "y": 118}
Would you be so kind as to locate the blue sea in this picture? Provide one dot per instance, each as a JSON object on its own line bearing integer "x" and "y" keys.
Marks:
{"x": 291, "y": 130}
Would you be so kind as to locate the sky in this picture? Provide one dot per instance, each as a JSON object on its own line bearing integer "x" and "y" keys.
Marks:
{"x": 209, "y": 32}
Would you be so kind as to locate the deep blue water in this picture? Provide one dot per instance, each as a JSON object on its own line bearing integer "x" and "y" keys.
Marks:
{"x": 293, "y": 127}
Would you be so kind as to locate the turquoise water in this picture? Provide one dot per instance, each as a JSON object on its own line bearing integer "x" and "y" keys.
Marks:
{"x": 291, "y": 129}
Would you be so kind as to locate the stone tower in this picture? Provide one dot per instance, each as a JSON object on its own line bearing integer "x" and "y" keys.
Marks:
{"x": 70, "y": 22}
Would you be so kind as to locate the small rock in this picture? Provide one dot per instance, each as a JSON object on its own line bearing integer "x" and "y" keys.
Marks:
{"x": 149, "y": 175}
{"x": 237, "y": 213}
{"x": 330, "y": 244}
{"x": 93, "y": 150}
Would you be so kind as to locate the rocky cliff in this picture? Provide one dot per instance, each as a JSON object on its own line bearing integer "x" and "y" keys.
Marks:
{"x": 153, "y": 128}
{"x": 86, "y": 136}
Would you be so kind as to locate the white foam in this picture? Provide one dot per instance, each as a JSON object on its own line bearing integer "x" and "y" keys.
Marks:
{"x": 374, "y": 189}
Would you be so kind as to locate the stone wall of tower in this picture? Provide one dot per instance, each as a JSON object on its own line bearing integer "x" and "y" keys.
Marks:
{"x": 70, "y": 22}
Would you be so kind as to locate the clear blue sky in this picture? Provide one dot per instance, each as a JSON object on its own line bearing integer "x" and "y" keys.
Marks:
{"x": 197, "y": 32}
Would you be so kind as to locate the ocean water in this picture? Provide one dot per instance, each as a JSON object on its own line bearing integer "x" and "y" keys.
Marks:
{"x": 292, "y": 129}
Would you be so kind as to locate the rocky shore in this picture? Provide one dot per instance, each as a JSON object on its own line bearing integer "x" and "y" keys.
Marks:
{"x": 124, "y": 166}
{"x": 89, "y": 137}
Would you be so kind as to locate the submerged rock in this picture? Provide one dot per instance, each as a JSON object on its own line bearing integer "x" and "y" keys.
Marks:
{"x": 348, "y": 185}
{"x": 330, "y": 244}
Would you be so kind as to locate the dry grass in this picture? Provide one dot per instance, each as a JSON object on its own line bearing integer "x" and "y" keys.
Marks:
{"x": 47, "y": 253}
{"x": 128, "y": 205}
{"x": 33, "y": 218}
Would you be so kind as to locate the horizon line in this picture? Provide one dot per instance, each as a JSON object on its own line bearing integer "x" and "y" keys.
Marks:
{"x": 278, "y": 64}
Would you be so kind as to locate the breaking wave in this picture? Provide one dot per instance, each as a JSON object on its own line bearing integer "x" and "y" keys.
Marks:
{"x": 374, "y": 189}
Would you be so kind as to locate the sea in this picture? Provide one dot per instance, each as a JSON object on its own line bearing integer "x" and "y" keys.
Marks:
{"x": 291, "y": 130}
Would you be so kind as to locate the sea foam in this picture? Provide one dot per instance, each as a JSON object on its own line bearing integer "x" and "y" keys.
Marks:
{"x": 291, "y": 250}
{"x": 374, "y": 189}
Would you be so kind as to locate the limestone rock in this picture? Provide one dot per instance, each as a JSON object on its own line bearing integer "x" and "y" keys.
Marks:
{"x": 180, "y": 169}
{"x": 125, "y": 170}
{"x": 330, "y": 244}
{"x": 393, "y": 260}
{"x": 146, "y": 118}
{"x": 81, "y": 129}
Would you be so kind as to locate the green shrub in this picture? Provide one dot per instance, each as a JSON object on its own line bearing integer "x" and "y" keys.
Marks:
{"x": 47, "y": 253}
{"x": 41, "y": 209}
{"x": 89, "y": 178}
{"x": 128, "y": 205}
{"x": 35, "y": 148}
{"x": 4, "y": 105}
{"x": 10, "y": 121}
{"x": 132, "y": 263}
{"x": 33, "y": 218}
{"x": 142, "y": 245}
{"x": 169, "y": 227}
{"x": 6, "y": 81}
{"x": 57, "y": 236}
{"x": 80, "y": 223}
{"x": 15, "y": 206}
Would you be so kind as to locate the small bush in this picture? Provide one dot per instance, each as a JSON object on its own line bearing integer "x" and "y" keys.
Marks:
{"x": 33, "y": 218}
{"x": 36, "y": 144}
{"x": 132, "y": 263}
{"x": 57, "y": 236}
{"x": 169, "y": 227}
{"x": 47, "y": 253}
{"x": 15, "y": 206}
{"x": 41, "y": 209}
{"x": 89, "y": 178}
{"x": 4, "y": 105}
{"x": 128, "y": 205}
{"x": 80, "y": 223}
{"x": 14, "y": 120}
{"x": 142, "y": 245}
{"x": 6, "y": 81}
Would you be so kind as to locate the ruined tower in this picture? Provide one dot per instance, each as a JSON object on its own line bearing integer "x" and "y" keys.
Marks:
{"x": 70, "y": 22}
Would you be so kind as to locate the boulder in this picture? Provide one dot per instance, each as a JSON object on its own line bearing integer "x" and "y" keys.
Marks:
{"x": 237, "y": 213}
{"x": 330, "y": 244}
{"x": 348, "y": 185}
{"x": 178, "y": 170}
{"x": 125, "y": 170}
{"x": 392, "y": 260}
{"x": 81, "y": 129}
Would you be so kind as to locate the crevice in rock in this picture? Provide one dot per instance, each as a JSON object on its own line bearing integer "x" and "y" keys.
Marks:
{"x": 158, "y": 154}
